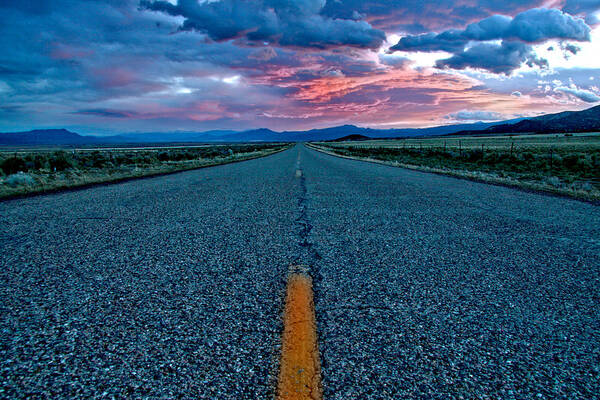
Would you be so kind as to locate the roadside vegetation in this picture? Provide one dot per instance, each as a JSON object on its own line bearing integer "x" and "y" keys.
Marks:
{"x": 567, "y": 164}
{"x": 31, "y": 171}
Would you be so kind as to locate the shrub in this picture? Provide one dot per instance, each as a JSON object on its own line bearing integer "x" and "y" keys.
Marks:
{"x": 40, "y": 161}
{"x": 13, "y": 165}
{"x": 59, "y": 161}
{"x": 20, "y": 179}
{"x": 97, "y": 160}
{"x": 554, "y": 181}
{"x": 475, "y": 155}
{"x": 163, "y": 156}
{"x": 571, "y": 160}
{"x": 584, "y": 162}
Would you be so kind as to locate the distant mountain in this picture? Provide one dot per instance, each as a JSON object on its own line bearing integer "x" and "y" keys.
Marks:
{"x": 569, "y": 121}
{"x": 253, "y": 135}
{"x": 44, "y": 137}
{"x": 352, "y": 138}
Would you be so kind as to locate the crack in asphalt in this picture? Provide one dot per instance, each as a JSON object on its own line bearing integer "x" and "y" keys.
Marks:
{"x": 307, "y": 254}
{"x": 308, "y": 258}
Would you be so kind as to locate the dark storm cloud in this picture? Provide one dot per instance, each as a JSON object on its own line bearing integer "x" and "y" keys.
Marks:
{"x": 497, "y": 58}
{"x": 416, "y": 16}
{"x": 531, "y": 26}
{"x": 284, "y": 22}
{"x": 102, "y": 112}
{"x": 10, "y": 109}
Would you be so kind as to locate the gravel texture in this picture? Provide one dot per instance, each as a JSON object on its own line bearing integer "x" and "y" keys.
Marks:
{"x": 432, "y": 287}
{"x": 425, "y": 286}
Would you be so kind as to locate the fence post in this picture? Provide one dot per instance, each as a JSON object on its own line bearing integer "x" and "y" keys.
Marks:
{"x": 550, "y": 159}
{"x": 460, "y": 147}
{"x": 444, "y": 146}
{"x": 512, "y": 146}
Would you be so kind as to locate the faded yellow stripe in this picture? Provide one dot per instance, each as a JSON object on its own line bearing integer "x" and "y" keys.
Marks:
{"x": 300, "y": 371}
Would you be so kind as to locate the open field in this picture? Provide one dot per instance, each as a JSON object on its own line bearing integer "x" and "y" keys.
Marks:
{"x": 563, "y": 164}
{"x": 25, "y": 171}
{"x": 519, "y": 141}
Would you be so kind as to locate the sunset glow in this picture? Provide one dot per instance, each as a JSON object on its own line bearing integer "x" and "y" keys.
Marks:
{"x": 127, "y": 65}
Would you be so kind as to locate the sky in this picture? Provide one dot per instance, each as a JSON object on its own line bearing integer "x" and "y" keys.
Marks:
{"x": 113, "y": 66}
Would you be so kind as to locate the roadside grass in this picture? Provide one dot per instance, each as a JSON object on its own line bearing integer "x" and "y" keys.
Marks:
{"x": 33, "y": 171}
{"x": 559, "y": 164}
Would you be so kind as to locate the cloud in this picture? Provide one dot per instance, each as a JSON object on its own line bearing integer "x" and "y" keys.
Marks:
{"x": 532, "y": 26}
{"x": 581, "y": 94}
{"x": 113, "y": 66}
{"x": 393, "y": 60}
{"x": 283, "y": 22}
{"x": 571, "y": 48}
{"x": 516, "y": 34}
{"x": 106, "y": 113}
{"x": 476, "y": 115}
{"x": 583, "y": 7}
{"x": 417, "y": 16}
{"x": 540, "y": 24}
{"x": 497, "y": 58}
{"x": 263, "y": 54}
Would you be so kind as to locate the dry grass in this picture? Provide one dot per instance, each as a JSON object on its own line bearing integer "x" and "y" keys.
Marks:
{"x": 563, "y": 165}
{"x": 104, "y": 166}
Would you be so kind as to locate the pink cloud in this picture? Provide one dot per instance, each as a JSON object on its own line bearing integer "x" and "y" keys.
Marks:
{"x": 60, "y": 51}
{"x": 113, "y": 77}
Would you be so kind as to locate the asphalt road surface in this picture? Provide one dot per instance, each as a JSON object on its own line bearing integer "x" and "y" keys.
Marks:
{"x": 425, "y": 286}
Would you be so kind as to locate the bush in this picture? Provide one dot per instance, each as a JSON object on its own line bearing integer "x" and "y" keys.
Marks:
{"x": 527, "y": 156}
{"x": 475, "y": 155}
{"x": 584, "y": 162}
{"x": 40, "y": 161}
{"x": 59, "y": 161}
{"x": 13, "y": 165}
{"x": 554, "y": 181}
{"x": 20, "y": 179}
{"x": 163, "y": 156}
{"x": 571, "y": 160}
{"x": 98, "y": 160}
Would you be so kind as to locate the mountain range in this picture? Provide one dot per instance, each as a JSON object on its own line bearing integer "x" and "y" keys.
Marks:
{"x": 568, "y": 121}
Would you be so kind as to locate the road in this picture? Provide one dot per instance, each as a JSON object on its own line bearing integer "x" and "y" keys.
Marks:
{"x": 425, "y": 286}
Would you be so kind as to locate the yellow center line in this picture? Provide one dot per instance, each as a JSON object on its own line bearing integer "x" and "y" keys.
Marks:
{"x": 300, "y": 370}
